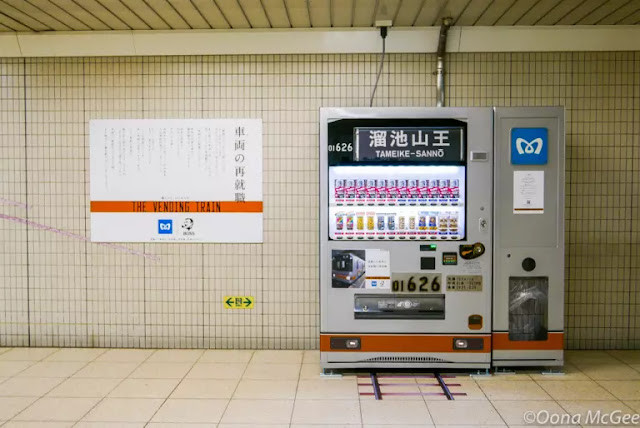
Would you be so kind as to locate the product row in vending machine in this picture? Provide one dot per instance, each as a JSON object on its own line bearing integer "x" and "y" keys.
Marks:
{"x": 422, "y": 225}
{"x": 401, "y": 192}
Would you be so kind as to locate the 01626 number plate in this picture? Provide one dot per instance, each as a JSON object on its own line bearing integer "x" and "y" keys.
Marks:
{"x": 416, "y": 282}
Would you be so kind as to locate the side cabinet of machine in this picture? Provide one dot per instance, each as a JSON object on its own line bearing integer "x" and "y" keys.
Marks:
{"x": 528, "y": 296}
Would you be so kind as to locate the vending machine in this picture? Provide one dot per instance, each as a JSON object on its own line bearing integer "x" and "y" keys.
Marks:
{"x": 407, "y": 240}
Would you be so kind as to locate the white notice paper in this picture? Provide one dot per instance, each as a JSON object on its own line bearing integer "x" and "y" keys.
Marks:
{"x": 176, "y": 180}
{"x": 378, "y": 272}
{"x": 528, "y": 192}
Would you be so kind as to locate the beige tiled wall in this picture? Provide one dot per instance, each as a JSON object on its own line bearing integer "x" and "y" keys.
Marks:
{"x": 62, "y": 290}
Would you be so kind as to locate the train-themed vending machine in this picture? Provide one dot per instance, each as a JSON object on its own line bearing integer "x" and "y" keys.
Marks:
{"x": 402, "y": 191}
{"x": 407, "y": 240}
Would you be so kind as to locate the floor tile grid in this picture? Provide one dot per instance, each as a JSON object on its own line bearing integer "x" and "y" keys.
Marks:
{"x": 165, "y": 399}
{"x": 201, "y": 359}
{"x": 69, "y": 377}
{"x": 478, "y": 384}
{"x": 568, "y": 405}
{"x": 311, "y": 364}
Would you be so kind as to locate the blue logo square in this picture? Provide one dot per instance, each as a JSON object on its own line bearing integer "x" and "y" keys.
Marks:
{"x": 374, "y": 283}
{"x": 165, "y": 227}
{"x": 529, "y": 146}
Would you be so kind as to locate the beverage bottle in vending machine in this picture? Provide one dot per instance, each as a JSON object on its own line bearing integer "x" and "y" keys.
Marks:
{"x": 443, "y": 189}
{"x": 381, "y": 189}
{"x": 391, "y": 224}
{"x": 380, "y": 226}
{"x": 392, "y": 190}
{"x": 453, "y": 223}
{"x": 423, "y": 191}
{"x": 412, "y": 191}
{"x": 350, "y": 189}
{"x": 455, "y": 189}
{"x": 361, "y": 190}
{"x": 412, "y": 227}
{"x": 350, "y": 218}
{"x": 339, "y": 189}
{"x": 371, "y": 191}
{"x": 402, "y": 230}
{"x": 443, "y": 224}
{"x": 402, "y": 189}
{"x": 339, "y": 225}
{"x": 434, "y": 192}
{"x": 360, "y": 225}
{"x": 433, "y": 223}
{"x": 422, "y": 224}
{"x": 371, "y": 225}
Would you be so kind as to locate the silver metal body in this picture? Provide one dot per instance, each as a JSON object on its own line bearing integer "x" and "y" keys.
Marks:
{"x": 337, "y": 304}
{"x": 507, "y": 239}
{"x": 538, "y": 236}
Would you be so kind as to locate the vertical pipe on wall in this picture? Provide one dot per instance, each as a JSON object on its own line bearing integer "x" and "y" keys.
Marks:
{"x": 442, "y": 50}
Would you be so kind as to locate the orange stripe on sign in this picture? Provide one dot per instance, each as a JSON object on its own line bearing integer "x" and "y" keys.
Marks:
{"x": 175, "y": 207}
{"x": 554, "y": 341}
{"x": 404, "y": 343}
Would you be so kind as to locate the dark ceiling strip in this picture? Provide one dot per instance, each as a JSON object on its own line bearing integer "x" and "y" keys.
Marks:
{"x": 222, "y": 13}
{"x": 89, "y": 12}
{"x": 413, "y": 24}
{"x": 12, "y": 23}
{"x": 266, "y": 14}
{"x": 179, "y": 14}
{"x": 534, "y": 4}
{"x": 246, "y": 18}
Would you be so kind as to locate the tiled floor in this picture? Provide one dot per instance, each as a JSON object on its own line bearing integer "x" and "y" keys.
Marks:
{"x": 46, "y": 387}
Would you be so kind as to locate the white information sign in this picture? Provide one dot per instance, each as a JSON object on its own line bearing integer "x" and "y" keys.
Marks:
{"x": 176, "y": 180}
{"x": 528, "y": 192}
{"x": 378, "y": 271}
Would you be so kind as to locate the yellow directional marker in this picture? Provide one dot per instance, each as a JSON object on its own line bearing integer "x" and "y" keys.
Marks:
{"x": 238, "y": 302}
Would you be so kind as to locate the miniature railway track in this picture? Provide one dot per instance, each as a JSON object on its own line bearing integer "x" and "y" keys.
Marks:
{"x": 384, "y": 385}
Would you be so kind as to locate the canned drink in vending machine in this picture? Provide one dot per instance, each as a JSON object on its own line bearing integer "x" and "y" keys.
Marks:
{"x": 350, "y": 221}
{"x": 453, "y": 223}
{"x": 412, "y": 188}
{"x": 371, "y": 223}
{"x": 381, "y": 222}
{"x": 349, "y": 190}
{"x": 392, "y": 189}
{"x": 381, "y": 188}
{"x": 455, "y": 188}
{"x": 422, "y": 222}
{"x": 391, "y": 222}
{"x": 412, "y": 223}
{"x": 360, "y": 222}
{"x": 360, "y": 189}
{"x": 423, "y": 188}
{"x": 433, "y": 189}
{"x": 402, "y": 189}
{"x": 371, "y": 189}
{"x": 433, "y": 223}
{"x": 339, "y": 221}
{"x": 401, "y": 224}
{"x": 443, "y": 224}
{"x": 339, "y": 188}
{"x": 443, "y": 188}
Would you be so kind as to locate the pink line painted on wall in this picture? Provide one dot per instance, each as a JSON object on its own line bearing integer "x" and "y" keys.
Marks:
{"x": 78, "y": 237}
{"x": 13, "y": 203}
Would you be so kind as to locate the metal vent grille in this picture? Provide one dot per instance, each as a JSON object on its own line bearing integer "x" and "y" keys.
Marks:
{"x": 405, "y": 360}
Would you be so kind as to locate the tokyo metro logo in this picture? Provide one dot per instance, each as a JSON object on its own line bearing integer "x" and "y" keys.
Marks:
{"x": 165, "y": 227}
{"x": 529, "y": 146}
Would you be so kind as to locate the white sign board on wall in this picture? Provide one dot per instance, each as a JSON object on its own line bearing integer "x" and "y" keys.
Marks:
{"x": 176, "y": 180}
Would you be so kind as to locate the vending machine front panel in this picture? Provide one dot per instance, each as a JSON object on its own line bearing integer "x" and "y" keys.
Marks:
{"x": 405, "y": 237}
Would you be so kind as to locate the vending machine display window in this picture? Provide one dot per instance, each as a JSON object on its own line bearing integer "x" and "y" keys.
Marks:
{"x": 397, "y": 182}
